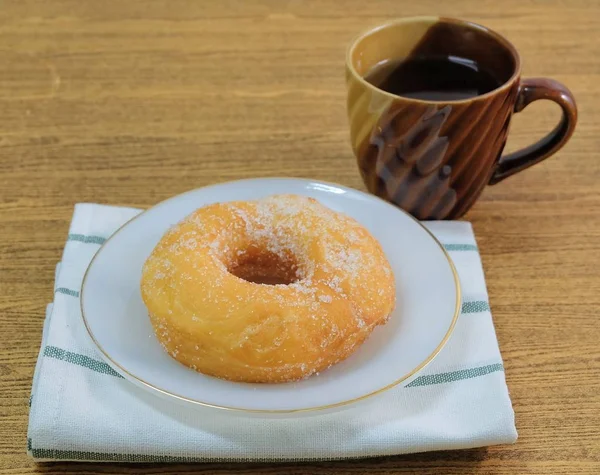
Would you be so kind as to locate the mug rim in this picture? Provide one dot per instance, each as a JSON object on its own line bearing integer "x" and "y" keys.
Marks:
{"x": 475, "y": 26}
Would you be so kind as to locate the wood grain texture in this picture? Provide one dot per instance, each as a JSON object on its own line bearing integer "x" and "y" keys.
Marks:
{"x": 130, "y": 102}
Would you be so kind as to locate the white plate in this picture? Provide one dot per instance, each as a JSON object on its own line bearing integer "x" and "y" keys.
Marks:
{"x": 428, "y": 305}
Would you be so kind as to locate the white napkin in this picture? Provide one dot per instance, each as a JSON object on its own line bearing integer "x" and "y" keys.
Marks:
{"x": 81, "y": 409}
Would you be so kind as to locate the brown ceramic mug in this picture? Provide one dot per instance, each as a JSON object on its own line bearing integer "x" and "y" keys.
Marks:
{"x": 434, "y": 157}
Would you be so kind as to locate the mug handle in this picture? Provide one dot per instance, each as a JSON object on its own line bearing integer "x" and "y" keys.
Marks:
{"x": 531, "y": 90}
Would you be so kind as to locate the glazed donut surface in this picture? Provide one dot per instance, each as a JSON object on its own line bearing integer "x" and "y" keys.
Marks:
{"x": 271, "y": 290}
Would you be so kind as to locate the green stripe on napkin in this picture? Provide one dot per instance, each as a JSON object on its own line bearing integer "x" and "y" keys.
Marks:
{"x": 86, "y": 239}
{"x": 455, "y": 375}
{"x": 475, "y": 306}
{"x": 460, "y": 247}
{"x": 106, "y": 457}
{"x": 56, "y": 454}
{"x": 101, "y": 367}
{"x": 92, "y": 239}
{"x": 81, "y": 360}
{"x": 64, "y": 290}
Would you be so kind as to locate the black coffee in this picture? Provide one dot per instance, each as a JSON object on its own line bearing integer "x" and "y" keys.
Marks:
{"x": 433, "y": 78}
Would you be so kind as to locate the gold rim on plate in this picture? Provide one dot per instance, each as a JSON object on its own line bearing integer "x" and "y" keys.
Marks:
{"x": 136, "y": 379}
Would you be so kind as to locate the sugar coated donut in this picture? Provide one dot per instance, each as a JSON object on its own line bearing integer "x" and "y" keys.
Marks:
{"x": 270, "y": 290}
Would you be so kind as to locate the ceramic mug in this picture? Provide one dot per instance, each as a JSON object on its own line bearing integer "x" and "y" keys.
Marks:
{"x": 433, "y": 158}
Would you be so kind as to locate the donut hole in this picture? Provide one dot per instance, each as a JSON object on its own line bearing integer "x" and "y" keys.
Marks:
{"x": 261, "y": 266}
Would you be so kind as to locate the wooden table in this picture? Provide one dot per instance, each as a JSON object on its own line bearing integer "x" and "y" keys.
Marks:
{"x": 131, "y": 102}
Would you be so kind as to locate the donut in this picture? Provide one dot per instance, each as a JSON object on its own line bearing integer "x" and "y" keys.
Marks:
{"x": 266, "y": 291}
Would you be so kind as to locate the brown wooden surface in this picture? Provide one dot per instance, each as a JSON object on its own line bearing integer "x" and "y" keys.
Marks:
{"x": 131, "y": 102}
